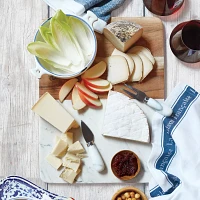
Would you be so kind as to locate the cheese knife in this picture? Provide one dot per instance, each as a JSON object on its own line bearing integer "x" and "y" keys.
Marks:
{"x": 161, "y": 108}
{"x": 97, "y": 160}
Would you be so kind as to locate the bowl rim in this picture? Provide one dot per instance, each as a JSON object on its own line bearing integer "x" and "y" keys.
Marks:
{"x": 88, "y": 64}
{"x": 127, "y": 189}
{"x": 125, "y": 178}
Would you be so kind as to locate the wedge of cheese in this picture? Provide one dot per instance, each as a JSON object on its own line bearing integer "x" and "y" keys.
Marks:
{"x": 60, "y": 148}
{"x": 69, "y": 175}
{"x": 118, "y": 70}
{"x": 72, "y": 165}
{"x": 76, "y": 148}
{"x": 124, "y": 119}
{"x": 50, "y": 110}
{"x": 54, "y": 161}
{"x": 72, "y": 157}
{"x": 129, "y": 60}
{"x": 123, "y": 34}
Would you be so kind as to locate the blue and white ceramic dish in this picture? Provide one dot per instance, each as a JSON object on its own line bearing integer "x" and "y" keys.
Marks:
{"x": 15, "y": 187}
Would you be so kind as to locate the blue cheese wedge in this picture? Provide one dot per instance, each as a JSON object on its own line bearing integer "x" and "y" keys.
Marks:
{"x": 124, "y": 119}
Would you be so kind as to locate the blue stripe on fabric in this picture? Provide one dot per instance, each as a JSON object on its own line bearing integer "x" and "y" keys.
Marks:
{"x": 163, "y": 162}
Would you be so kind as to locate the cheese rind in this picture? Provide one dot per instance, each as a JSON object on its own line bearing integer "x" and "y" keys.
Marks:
{"x": 123, "y": 34}
{"x": 50, "y": 110}
{"x": 124, "y": 119}
{"x": 118, "y": 70}
{"x": 54, "y": 161}
{"x": 76, "y": 148}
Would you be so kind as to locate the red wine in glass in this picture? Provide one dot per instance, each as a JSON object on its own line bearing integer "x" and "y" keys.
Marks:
{"x": 185, "y": 41}
{"x": 163, "y": 7}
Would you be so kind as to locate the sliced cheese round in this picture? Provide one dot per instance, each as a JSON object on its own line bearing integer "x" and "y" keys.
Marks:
{"x": 145, "y": 51}
{"x": 146, "y": 64}
{"x": 137, "y": 75}
{"x": 128, "y": 59}
{"x": 118, "y": 70}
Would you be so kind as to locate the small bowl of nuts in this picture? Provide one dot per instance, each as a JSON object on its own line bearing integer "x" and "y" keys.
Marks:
{"x": 129, "y": 193}
{"x": 125, "y": 165}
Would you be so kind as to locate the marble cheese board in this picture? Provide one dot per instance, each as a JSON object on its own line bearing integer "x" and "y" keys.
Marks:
{"x": 107, "y": 146}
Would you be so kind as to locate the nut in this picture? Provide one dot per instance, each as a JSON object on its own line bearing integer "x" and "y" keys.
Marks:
{"x": 127, "y": 195}
{"x": 137, "y": 196}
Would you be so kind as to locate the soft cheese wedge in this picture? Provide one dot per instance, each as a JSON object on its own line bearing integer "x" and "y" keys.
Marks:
{"x": 123, "y": 34}
{"x": 118, "y": 70}
{"x": 145, "y": 51}
{"x": 137, "y": 75}
{"x": 66, "y": 88}
{"x": 124, "y": 119}
{"x": 129, "y": 60}
{"x": 50, "y": 110}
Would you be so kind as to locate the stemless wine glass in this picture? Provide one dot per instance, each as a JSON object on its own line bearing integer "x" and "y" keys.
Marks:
{"x": 185, "y": 41}
{"x": 163, "y": 7}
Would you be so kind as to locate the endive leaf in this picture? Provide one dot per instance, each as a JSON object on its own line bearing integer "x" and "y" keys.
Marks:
{"x": 47, "y": 36}
{"x": 80, "y": 33}
{"x": 62, "y": 38}
{"x": 47, "y": 52}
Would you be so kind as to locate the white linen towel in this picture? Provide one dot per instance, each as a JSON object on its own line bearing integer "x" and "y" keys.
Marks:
{"x": 175, "y": 158}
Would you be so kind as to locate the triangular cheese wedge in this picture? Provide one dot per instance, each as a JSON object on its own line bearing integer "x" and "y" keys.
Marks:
{"x": 124, "y": 119}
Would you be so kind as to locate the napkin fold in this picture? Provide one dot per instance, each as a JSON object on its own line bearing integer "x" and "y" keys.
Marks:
{"x": 175, "y": 158}
{"x": 101, "y": 9}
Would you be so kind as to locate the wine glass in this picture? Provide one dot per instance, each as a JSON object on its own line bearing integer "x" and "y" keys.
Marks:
{"x": 185, "y": 41}
{"x": 163, "y": 7}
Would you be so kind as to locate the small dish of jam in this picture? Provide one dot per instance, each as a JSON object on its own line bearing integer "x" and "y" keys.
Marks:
{"x": 125, "y": 165}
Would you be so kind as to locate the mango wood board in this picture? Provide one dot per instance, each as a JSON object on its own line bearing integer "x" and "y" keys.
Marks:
{"x": 152, "y": 38}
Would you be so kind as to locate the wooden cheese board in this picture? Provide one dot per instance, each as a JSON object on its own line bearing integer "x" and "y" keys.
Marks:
{"x": 153, "y": 85}
{"x": 152, "y": 38}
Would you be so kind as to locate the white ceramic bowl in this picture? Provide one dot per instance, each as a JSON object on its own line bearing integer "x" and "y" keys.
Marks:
{"x": 44, "y": 68}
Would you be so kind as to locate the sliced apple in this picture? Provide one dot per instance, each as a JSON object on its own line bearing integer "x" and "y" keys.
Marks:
{"x": 77, "y": 103}
{"x": 97, "y": 83}
{"x": 99, "y": 90}
{"x": 66, "y": 88}
{"x": 86, "y": 91}
{"x": 88, "y": 101}
{"x": 137, "y": 75}
{"x": 147, "y": 65}
{"x": 96, "y": 71}
{"x": 145, "y": 51}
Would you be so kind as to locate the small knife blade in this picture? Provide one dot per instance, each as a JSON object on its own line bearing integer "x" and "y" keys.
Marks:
{"x": 94, "y": 154}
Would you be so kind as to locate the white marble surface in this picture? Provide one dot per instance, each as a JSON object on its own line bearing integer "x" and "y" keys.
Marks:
{"x": 107, "y": 146}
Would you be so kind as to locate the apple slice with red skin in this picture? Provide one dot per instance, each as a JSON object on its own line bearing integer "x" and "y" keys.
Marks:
{"x": 77, "y": 103}
{"x": 95, "y": 71}
{"x": 88, "y": 101}
{"x": 97, "y": 83}
{"x": 86, "y": 91}
{"x": 99, "y": 90}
